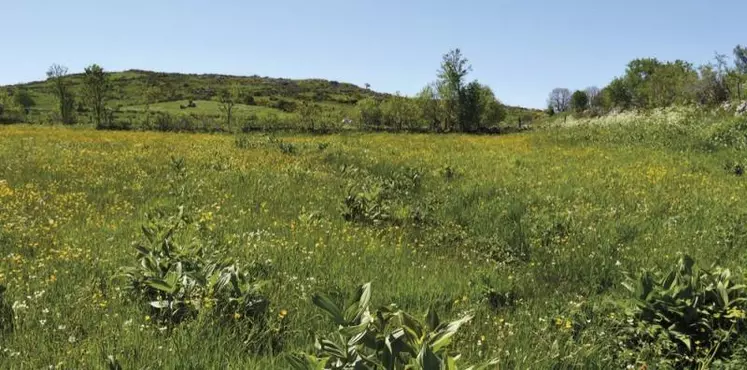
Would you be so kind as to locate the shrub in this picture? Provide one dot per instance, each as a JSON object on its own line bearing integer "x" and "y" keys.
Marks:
{"x": 286, "y": 148}
{"x": 365, "y": 207}
{"x": 284, "y": 105}
{"x": 181, "y": 281}
{"x": 387, "y": 338}
{"x": 686, "y": 318}
{"x": 385, "y": 196}
{"x": 369, "y": 112}
{"x": 163, "y": 122}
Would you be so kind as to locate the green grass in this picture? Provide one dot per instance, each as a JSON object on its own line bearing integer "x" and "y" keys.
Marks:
{"x": 555, "y": 218}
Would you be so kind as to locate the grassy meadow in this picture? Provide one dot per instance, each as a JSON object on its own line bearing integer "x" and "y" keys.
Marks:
{"x": 534, "y": 233}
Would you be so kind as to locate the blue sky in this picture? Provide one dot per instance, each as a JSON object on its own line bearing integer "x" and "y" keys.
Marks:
{"x": 521, "y": 48}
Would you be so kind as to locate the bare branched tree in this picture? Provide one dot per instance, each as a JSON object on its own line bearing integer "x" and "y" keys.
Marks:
{"x": 560, "y": 100}
{"x": 56, "y": 74}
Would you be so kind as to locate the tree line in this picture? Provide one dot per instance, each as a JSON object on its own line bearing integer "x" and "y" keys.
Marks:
{"x": 450, "y": 104}
{"x": 650, "y": 83}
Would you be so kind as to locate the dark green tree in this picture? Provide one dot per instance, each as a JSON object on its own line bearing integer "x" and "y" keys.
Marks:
{"x": 617, "y": 95}
{"x": 96, "y": 87}
{"x": 24, "y": 99}
{"x": 579, "y": 101}
{"x": 469, "y": 107}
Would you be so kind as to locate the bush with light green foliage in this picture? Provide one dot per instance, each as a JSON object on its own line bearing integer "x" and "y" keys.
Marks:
{"x": 385, "y": 339}
{"x": 180, "y": 279}
{"x": 686, "y": 318}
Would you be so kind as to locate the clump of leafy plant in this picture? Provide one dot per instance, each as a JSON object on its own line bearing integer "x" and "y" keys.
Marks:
{"x": 287, "y": 148}
{"x": 366, "y": 207}
{"x": 687, "y": 318}
{"x": 384, "y": 339}
{"x": 179, "y": 281}
{"x": 389, "y": 198}
{"x": 6, "y": 313}
{"x": 177, "y": 179}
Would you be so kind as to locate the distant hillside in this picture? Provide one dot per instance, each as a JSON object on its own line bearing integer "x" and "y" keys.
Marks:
{"x": 266, "y": 102}
{"x": 130, "y": 89}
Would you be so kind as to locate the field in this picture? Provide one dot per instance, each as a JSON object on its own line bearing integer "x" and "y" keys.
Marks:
{"x": 534, "y": 233}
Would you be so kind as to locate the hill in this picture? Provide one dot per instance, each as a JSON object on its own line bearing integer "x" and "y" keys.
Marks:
{"x": 134, "y": 89}
{"x": 176, "y": 101}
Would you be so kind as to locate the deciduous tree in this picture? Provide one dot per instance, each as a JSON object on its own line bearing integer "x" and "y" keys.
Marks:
{"x": 452, "y": 75}
{"x": 594, "y": 94}
{"x": 66, "y": 101}
{"x": 492, "y": 110}
{"x": 24, "y": 99}
{"x": 95, "y": 90}
{"x": 560, "y": 99}
{"x": 369, "y": 112}
{"x": 428, "y": 105}
{"x": 399, "y": 112}
{"x": 617, "y": 94}
{"x": 228, "y": 98}
{"x": 740, "y": 58}
{"x": 579, "y": 101}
